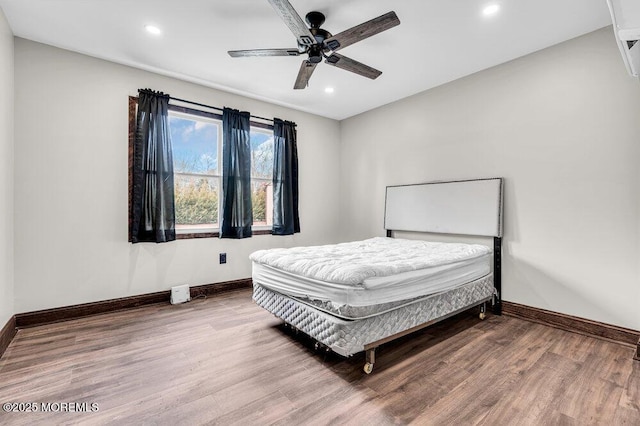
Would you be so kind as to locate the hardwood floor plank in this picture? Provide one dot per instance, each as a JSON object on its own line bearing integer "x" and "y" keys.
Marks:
{"x": 266, "y": 410}
{"x": 475, "y": 397}
{"x": 574, "y": 346}
{"x": 537, "y": 391}
{"x": 630, "y": 398}
{"x": 333, "y": 408}
{"x": 603, "y": 397}
{"x": 415, "y": 396}
{"x": 224, "y": 360}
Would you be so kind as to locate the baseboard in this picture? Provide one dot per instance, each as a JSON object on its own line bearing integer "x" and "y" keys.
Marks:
{"x": 65, "y": 313}
{"x": 7, "y": 334}
{"x": 584, "y": 326}
{"x": 209, "y": 289}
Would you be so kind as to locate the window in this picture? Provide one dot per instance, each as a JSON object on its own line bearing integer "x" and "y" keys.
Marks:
{"x": 262, "y": 177}
{"x": 196, "y": 143}
{"x": 196, "y": 138}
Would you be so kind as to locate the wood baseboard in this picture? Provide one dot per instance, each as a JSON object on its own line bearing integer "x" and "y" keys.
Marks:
{"x": 65, "y": 313}
{"x": 584, "y": 326}
{"x": 209, "y": 289}
{"x": 7, "y": 334}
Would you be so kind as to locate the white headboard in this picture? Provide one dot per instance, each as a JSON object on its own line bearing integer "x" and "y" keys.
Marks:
{"x": 468, "y": 207}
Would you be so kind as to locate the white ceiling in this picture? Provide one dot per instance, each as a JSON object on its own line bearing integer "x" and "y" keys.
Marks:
{"x": 437, "y": 41}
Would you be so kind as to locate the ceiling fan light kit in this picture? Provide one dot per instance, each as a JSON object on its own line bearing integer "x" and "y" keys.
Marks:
{"x": 319, "y": 44}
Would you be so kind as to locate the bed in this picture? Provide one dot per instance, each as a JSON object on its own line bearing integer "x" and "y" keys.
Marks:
{"x": 355, "y": 296}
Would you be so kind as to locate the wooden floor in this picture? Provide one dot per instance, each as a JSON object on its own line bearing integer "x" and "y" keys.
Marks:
{"x": 225, "y": 361}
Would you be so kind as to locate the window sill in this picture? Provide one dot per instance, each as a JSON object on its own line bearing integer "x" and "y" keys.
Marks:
{"x": 194, "y": 235}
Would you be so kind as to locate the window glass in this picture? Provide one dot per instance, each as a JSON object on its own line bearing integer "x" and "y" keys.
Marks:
{"x": 196, "y": 171}
{"x": 261, "y": 153}
{"x": 261, "y": 177}
{"x": 195, "y": 144}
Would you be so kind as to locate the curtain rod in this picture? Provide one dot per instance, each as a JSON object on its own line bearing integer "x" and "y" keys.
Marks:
{"x": 206, "y": 106}
{"x": 213, "y": 107}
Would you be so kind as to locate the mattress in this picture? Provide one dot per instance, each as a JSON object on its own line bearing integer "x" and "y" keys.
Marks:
{"x": 363, "y": 278}
{"x": 347, "y": 337}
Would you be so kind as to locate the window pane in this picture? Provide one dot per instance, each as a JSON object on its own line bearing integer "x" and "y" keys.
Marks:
{"x": 261, "y": 154}
{"x": 262, "y": 202}
{"x": 195, "y": 144}
{"x": 197, "y": 170}
{"x": 196, "y": 201}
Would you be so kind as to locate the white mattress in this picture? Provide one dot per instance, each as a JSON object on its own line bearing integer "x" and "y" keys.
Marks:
{"x": 370, "y": 272}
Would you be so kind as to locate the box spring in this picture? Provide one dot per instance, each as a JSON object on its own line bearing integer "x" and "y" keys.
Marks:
{"x": 348, "y": 337}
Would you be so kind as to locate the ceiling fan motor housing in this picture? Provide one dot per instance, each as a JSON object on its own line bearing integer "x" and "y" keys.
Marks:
{"x": 315, "y": 20}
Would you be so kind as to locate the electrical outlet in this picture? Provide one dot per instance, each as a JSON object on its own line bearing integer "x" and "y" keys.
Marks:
{"x": 223, "y": 258}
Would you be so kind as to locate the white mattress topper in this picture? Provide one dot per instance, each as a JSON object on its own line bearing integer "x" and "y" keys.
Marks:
{"x": 400, "y": 287}
{"x": 359, "y": 263}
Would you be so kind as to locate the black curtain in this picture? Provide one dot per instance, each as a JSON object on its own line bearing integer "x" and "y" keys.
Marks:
{"x": 286, "y": 220}
{"x": 152, "y": 203}
{"x": 237, "y": 212}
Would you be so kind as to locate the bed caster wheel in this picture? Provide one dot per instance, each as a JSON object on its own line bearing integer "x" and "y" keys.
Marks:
{"x": 483, "y": 311}
{"x": 368, "y": 368}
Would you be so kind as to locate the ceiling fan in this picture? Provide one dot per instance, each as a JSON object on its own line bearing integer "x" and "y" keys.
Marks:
{"x": 318, "y": 43}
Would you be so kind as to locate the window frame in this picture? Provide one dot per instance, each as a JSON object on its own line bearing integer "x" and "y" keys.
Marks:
{"x": 181, "y": 113}
{"x": 262, "y": 129}
{"x": 186, "y": 234}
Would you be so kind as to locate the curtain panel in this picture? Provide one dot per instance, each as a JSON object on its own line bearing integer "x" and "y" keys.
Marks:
{"x": 237, "y": 212}
{"x": 152, "y": 201}
{"x": 286, "y": 220}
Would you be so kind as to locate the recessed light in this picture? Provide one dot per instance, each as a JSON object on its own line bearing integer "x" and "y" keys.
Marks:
{"x": 491, "y": 9}
{"x": 152, "y": 29}
{"x": 328, "y": 90}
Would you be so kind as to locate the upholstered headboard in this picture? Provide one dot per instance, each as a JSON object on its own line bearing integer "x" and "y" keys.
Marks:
{"x": 468, "y": 207}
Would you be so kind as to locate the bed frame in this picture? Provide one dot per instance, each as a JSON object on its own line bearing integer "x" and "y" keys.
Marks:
{"x": 464, "y": 207}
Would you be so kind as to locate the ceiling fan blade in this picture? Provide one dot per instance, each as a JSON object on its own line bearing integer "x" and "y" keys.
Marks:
{"x": 354, "y": 66}
{"x": 362, "y": 31}
{"x": 263, "y": 52}
{"x": 295, "y": 23}
{"x": 306, "y": 69}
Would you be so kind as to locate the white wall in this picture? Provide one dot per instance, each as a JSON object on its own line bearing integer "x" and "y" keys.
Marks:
{"x": 71, "y": 185}
{"x": 6, "y": 171}
{"x": 563, "y": 127}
